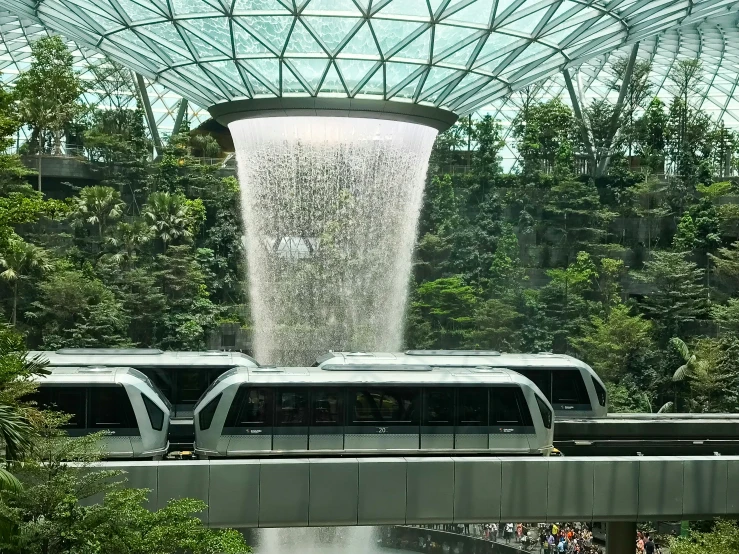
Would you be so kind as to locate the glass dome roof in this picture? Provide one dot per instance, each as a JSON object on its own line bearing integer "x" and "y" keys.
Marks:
{"x": 17, "y": 35}
{"x": 454, "y": 54}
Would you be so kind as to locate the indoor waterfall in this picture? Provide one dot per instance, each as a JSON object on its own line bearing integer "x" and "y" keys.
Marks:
{"x": 330, "y": 207}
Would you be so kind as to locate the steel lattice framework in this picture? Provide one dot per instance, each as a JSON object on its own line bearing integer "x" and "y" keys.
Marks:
{"x": 453, "y": 54}
{"x": 714, "y": 41}
{"x": 18, "y": 33}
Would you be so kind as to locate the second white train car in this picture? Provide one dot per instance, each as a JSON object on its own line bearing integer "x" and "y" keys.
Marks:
{"x": 571, "y": 385}
{"x": 371, "y": 409}
{"x": 121, "y": 401}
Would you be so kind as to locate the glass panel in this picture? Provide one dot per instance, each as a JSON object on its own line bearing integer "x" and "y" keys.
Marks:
{"x": 327, "y": 406}
{"x": 302, "y": 42}
{"x": 392, "y": 405}
{"x": 419, "y": 49}
{"x": 191, "y": 383}
{"x": 472, "y": 406}
{"x": 205, "y": 417}
{"x": 415, "y": 8}
{"x": 362, "y": 44}
{"x": 600, "y": 391}
{"x": 69, "y": 400}
{"x": 569, "y": 388}
{"x": 271, "y": 28}
{"x": 504, "y": 406}
{"x": 156, "y": 415}
{"x": 542, "y": 378}
{"x": 438, "y": 407}
{"x": 390, "y": 32}
{"x": 252, "y": 407}
{"x": 331, "y": 30}
{"x": 163, "y": 379}
{"x": 292, "y": 407}
{"x": 110, "y": 407}
{"x": 353, "y": 71}
{"x": 311, "y": 70}
{"x": 546, "y": 413}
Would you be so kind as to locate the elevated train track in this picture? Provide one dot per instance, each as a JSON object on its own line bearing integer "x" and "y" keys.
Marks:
{"x": 648, "y": 435}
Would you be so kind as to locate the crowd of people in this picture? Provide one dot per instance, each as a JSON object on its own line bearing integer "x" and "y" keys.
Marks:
{"x": 553, "y": 538}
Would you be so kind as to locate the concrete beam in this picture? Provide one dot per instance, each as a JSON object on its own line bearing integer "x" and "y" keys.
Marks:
{"x": 398, "y": 491}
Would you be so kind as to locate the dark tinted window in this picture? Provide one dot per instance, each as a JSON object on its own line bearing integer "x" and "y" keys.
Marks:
{"x": 600, "y": 391}
{"x": 156, "y": 415}
{"x": 291, "y": 407}
{"x": 390, "y": 405}
{"x": 542, "y": 378}
{"x": 191, "y": 382}
{"x": 546, "y": 413}
{"x": 162, "y": 378}
{"x": 110, "y": 408}
{"x": 438, "y": 407}
{"x": 70, "y": 400}
{"x": 251, "y": 407}
{"x": 327, "y": 407}
{"x": 505, "y": 406}
{"x": 568, "y": 387}
{"x": 472, "y": 406}
{"x": 205, "y": 417}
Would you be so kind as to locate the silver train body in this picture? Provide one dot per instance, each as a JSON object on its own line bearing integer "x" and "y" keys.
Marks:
{"x": 378, "y": 410}
{"x": 121, "y": 401}
{"x": 181, "y": 376}
{"x": 570, "y": 385}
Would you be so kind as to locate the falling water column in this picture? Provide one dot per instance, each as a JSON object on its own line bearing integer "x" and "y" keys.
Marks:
{"x": 330, "y": 207}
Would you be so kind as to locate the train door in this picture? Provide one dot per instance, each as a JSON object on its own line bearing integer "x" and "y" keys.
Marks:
{"x": 109, "y": 409}
{"x": 290, "y": 431}
{"x": 249, "y": 421}
{"x": 384, "y": 418}
{"x": 437, "y": 423}
{"x": 471, "y": 431}
{"x": 510, "y": 420}
{"x": 327, "y": 419}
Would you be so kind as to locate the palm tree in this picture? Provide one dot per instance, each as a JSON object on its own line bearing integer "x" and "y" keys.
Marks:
{"x": 21, "y": 258}
{"x": 129, "y": 239}
{"x": 168, "y": 216}
{"x": 693, "y": 368}
{"x": 99, "y": 205}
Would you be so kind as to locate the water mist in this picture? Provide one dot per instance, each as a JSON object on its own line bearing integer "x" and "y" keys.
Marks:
{"x": 330, "y": 208}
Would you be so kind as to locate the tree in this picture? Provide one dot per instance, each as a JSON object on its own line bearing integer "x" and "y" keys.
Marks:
{"x": 611, "y": 343}
{"x": 677, "y": 296}
{"x": 99, "y": 206}
{"x": 446, "y": 305}
{"x": 169, "y": 217}
{"x": 20, "y": 260}
{"x": 57, "y": 513}
{"x": 77, "y": 310}
{"x": 723, "y": 539}
{"x": 47, "y": 92}
{"x": 129, "y": 239}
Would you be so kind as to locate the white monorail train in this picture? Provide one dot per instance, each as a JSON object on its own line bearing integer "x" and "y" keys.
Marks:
{"x": 572, "y": 387}
{"x": 181, "y": 376}
{"x": 375, "y": 409}
{"x": 120, "y": 400}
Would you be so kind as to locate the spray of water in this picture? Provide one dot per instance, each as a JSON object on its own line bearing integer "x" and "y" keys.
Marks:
{"x": 318, "y": 540}
{"x": 330, "y": 207}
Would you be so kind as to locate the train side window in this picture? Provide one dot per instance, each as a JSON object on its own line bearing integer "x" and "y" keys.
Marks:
{"x": 291, "y": 407}
{"x": 472, "y": 406}
{"x": 191, "y": 382}
{"x": 600, "y": 391}
{"x": 110, "y": 407}
{"x": 504, "y": 406}
{"x": 162, "y": 378}
{"x": 156, "y": 415}
{"x": 438, "y": 407}
{"x": 251, "y": 407}
{"x": 390, "y": 405}
{"x": 568, "y": 387}
{"x": 546, "y": 413}
{"x": 70, "y": 400}
{"x": 327, "y": 406}
{"x": 542, "y": 378}
{"x": 206, "y": 415}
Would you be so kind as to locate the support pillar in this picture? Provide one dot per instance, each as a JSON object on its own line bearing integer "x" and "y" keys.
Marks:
{"x": 621, "y": 537}
{"x": 144, "y": 97}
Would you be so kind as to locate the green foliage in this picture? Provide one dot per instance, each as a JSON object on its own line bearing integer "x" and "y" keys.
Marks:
{"x": 47, "y": 92}
{"x": 723, "y": 539}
